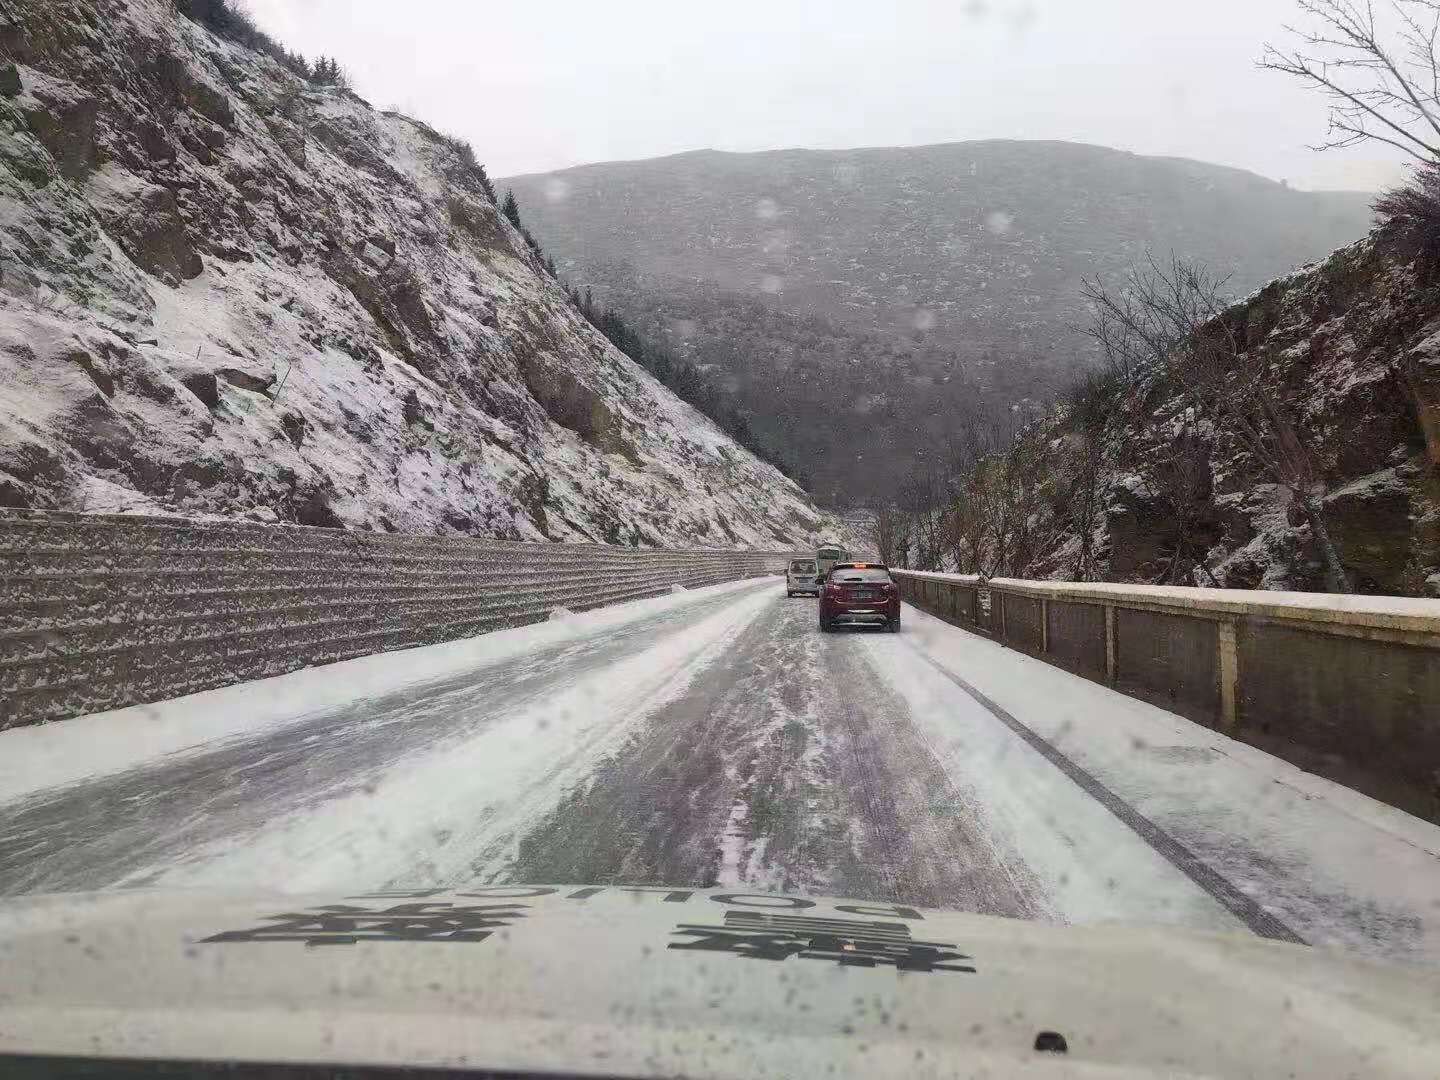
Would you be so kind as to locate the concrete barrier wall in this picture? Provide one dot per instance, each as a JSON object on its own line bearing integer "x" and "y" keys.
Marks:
{"x": 1075, "y": 637}
{"x": 98, "y": 612}
{"x": 1172, "y": 660}
{"x": 1345, "y": 686}
{"x": 1023, "y": 618}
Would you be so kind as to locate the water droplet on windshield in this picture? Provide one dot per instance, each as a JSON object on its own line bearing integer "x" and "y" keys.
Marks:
{"x": 924, "y": 319}
{"x": 767, "y": 209}
{"x": 772, "y": 283}
{"x": 556, "y": 190}
{"x": 999, "y": 222}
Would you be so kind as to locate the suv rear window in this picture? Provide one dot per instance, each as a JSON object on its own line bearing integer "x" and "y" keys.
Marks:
{"x": 860, "y": 575}
{"x": 803, "y": 566}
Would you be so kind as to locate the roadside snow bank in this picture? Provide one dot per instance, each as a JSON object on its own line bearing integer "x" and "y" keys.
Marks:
{"x": 396, "y": 833}
{"x": 1336, "y": 866}
{"x": 35, "y": 758}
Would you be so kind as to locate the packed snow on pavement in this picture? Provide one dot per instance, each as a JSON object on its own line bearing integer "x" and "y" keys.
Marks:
{"x": 715, "y": 737}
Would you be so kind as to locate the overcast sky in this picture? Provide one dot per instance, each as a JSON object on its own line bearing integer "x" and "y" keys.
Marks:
{"x": 543, "y": 85}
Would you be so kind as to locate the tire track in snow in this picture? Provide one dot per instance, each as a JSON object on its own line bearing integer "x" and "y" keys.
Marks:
{"x": 1243, "y": 907}
{"x": 787, "y": 766}
{"x": 929, "y": 836}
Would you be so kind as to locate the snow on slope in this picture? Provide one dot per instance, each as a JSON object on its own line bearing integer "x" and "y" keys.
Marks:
{"x": 227, "y": 292}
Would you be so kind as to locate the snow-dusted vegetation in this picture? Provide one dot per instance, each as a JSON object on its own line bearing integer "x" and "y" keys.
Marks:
{"x": 1221, "y": 470}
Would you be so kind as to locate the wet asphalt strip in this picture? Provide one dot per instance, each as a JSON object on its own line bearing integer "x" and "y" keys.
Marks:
{"x": 1177, "y": 854}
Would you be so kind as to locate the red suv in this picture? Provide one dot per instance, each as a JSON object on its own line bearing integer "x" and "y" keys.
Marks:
{"x": 860, "y": 594}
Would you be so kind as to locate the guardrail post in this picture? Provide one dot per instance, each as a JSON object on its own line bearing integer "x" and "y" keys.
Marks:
{"x": 1229, "y": 675}
{"x": 1110, "y": 644}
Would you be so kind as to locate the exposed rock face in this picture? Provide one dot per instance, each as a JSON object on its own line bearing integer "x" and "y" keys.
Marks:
{"x": 572, "y": 404}
{"x": 227, "y": 292}
{"x": 1420, "y": 368}
{"x": 1350, "y": 346}
{"x": 144, "y": 219}
{"x": 62, "y": 116}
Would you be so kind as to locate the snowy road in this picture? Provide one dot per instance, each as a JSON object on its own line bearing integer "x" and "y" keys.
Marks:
{"x": 717, "y": 738}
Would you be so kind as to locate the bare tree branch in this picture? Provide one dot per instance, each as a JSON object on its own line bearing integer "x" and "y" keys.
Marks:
{"x": 1376, "y": 87}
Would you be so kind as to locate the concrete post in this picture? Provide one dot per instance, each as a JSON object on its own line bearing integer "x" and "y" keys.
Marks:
{"x": 1044, "y": 625}
{"x": 1110, "y": 644}
{"x": 1229, "y": 675}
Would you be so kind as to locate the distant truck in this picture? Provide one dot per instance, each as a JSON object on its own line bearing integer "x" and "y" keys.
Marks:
{"x": 826, "y": 556}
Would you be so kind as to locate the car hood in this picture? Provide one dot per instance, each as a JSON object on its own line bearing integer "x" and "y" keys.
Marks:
{"x": 706, "y": 983}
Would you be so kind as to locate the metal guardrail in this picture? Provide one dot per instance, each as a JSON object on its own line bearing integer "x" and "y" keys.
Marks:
{"x": 101, "y": 611}
{"x": 1347, "y": 686}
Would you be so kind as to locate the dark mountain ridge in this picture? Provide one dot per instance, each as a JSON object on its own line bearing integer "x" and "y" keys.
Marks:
{"x": 942, "y": 278}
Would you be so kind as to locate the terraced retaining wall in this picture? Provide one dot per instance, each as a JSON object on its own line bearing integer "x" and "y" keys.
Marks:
{"x": 99, "y": 611}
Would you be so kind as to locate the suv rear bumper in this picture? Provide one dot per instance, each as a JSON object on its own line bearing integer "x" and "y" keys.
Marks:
{"x": 859, "y": 614}
{"x": 859, "y": 618}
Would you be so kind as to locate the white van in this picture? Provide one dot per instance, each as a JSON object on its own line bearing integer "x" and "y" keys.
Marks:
{"x": 802, "y": 576}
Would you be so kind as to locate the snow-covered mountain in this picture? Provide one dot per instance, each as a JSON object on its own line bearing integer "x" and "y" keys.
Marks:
{"x": 229, "y": 292}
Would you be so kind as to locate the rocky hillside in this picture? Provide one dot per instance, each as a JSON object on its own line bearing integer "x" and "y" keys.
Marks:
{"x": 229, "y": 292}
{"x": 882, "y": 292}
{"x": 1137, "y": 482}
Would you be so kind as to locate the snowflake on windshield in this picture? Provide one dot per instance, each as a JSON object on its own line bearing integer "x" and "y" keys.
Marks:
{"x": 849, "y": 942}
{"x": 344, "y": 924}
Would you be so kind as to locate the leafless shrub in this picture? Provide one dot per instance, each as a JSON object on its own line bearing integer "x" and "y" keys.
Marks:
{"x": 1093, "y": 398}
{"x": 891, "y": 537}
{"x": 1411, "y": 216}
